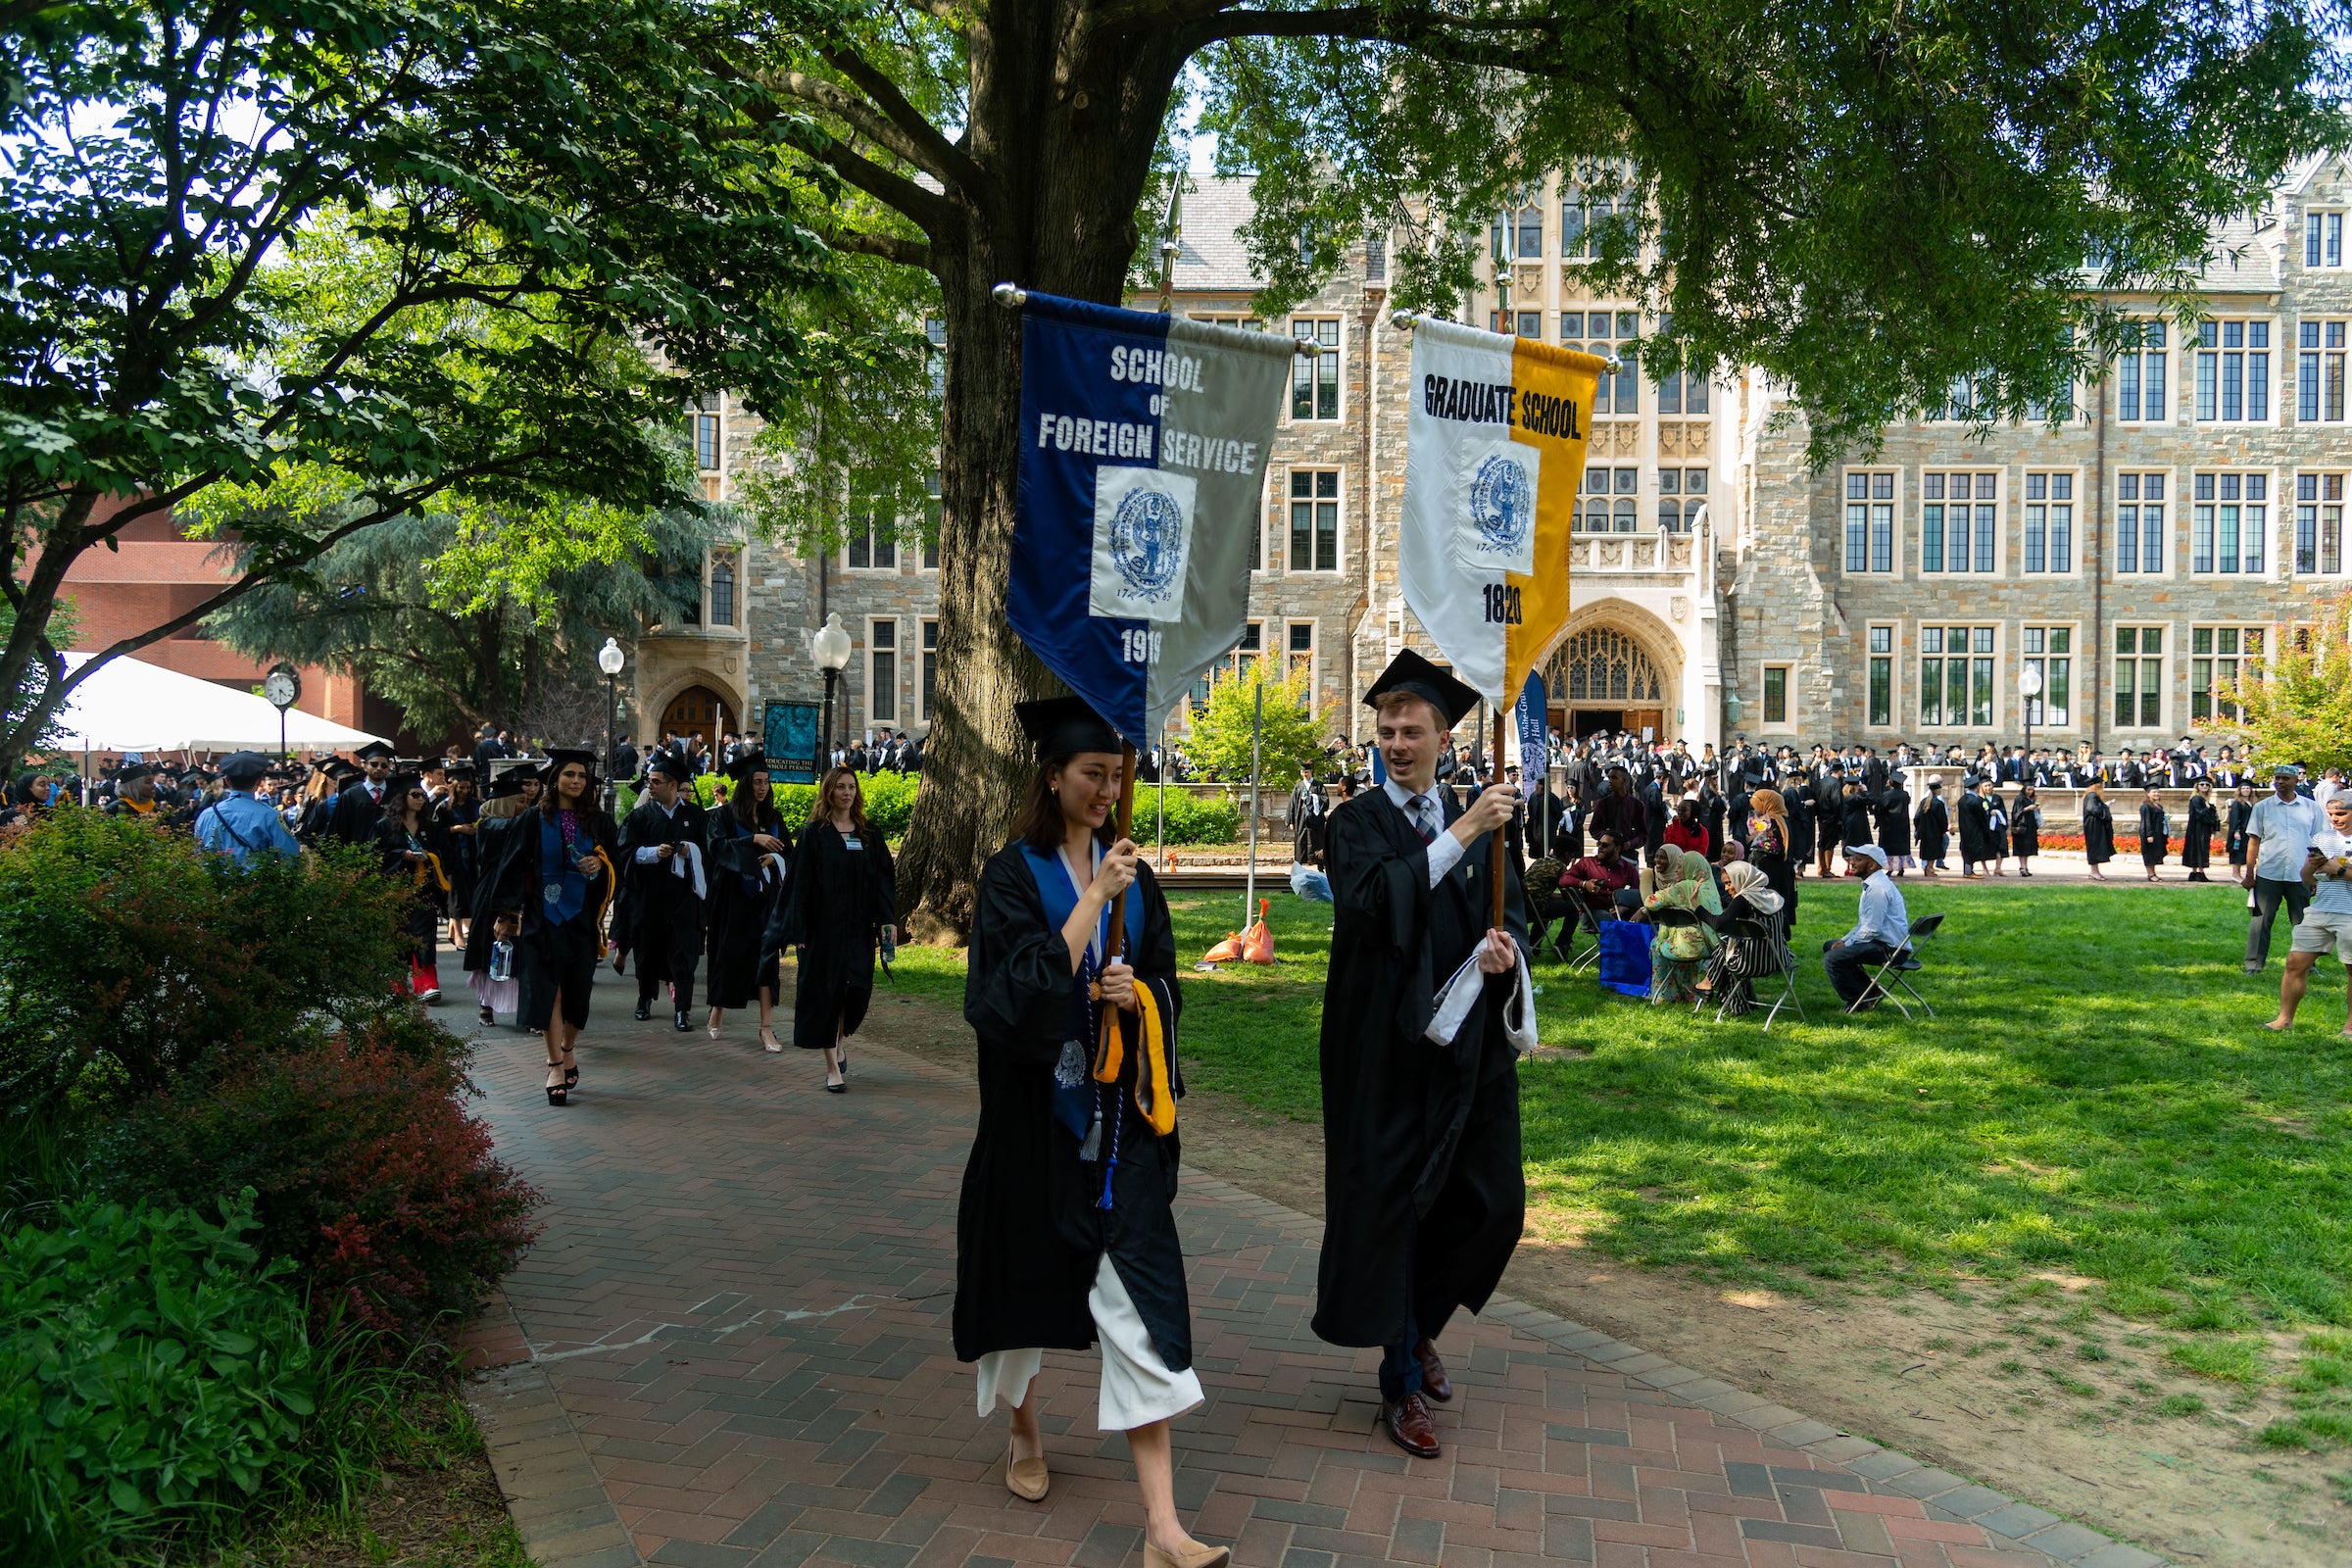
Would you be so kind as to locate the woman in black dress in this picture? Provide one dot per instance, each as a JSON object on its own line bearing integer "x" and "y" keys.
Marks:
{"x": 1066, "y": 1235}
{"x": 2196, "y": 845}
{"x": 1934, "y": 825}
{"x": 2024, "y": 829}
{"x": 412, "y": 847}
{"x": 555, "y": 863}
{"x": 2098, "y": 831}
{"x": 1893, "y": 812}
{"x": 747, "y": 842}
{"x": 2241, "y": 812}
{"x": 1797, "y": 802}
{"x": 2155, "y": 826}
{"x": 841, "y": 891}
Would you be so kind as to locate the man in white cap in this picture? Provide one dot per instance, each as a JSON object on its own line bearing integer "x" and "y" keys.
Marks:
{"x": 1881, "y": 929}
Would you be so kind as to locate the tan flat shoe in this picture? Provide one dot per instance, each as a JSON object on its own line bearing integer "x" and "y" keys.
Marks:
{"x": 1027, "y": 1479}
{"x": 1194, "y": 1555}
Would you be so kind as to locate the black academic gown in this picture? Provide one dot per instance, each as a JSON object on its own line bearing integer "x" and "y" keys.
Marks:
{"x": 743, "y": 891}
{"x": 2098, "y": 831}
{"x": 1894, "y": 811}
{"x": 1029, "y": 1230}
{"x": 832, "y": 903}
{"x": 459, "y": 859}
{"x": 2154, "y": 822}
{"x": 2025, "y": 830}
{"x": 424, "y": 881}
{"x": 664, "y": 927}
{"x": 1977, "y": 841}
{"x": 2196, "y": 847}
{"x": 510, "y": 880}
{"x": 1799, "y": 801}
{"x": 1859, "y": 826}
{"x": 1423, "y": 1192}
{"x": 2242, "y": 813}
{"x": 354, "y": 815}
{"x": 1933, "y": 824}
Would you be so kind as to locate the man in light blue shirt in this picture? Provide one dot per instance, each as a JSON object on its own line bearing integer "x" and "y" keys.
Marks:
{"x": 1880, "y": 930}
{"x": 2326, "y": 924}
{"x": 2278, "y": 837}
{"x": 239, "y": 824}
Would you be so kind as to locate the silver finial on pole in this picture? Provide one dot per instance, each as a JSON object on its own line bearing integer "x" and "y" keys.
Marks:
{"x": 1010, "y": 295}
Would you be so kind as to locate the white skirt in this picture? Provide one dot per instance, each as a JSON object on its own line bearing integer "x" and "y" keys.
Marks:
{"x": 1138, "y": 1389}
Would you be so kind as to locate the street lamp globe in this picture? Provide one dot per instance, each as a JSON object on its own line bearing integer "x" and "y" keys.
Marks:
{"x": 610, "y": 657}
{"x": 831, "y": 645}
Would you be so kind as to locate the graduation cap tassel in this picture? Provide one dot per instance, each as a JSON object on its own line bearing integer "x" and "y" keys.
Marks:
{"x": 1111, "y": 1166}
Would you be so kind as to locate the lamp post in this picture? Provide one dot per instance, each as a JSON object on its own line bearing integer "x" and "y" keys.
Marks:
{"x": 609, "y": 658}
{"x": 2028, "y": 686}
{"x": 831, "y": 646}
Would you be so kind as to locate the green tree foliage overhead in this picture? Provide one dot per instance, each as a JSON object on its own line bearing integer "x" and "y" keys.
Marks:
{"x": 1865, "y": 203}
{"x": 365, "y": 259}
{"x": 1292, "y": 732}
{"x": 404, "y": 607}
{"x": 2298, "y": 707}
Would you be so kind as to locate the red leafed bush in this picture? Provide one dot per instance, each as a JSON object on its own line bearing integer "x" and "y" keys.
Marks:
{"x": 372, "y": 1173}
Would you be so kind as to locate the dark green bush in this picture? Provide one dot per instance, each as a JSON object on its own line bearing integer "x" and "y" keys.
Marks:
{"x": 151, "y": 1367}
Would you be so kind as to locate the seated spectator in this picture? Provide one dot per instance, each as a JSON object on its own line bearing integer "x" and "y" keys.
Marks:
{"x": 1602, "y": 881}
{"x": 1882, "y": 929}
{"x": 1677, "y": 954}
{"x": 1686, "y": 832}
{"x": 1737, "y": 959}
{"x": 1621, "y": 812}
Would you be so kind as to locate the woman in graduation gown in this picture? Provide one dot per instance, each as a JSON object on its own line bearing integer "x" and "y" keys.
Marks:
{"x": 2242, "y": 813}
{"x": 2196, "y": 845}
{"x": 842, "y": 893}
{"x": 747, "y": 842}
{"x": 415, "y": 854}
{"x": 555, "y": 863}
{"x": 2098, "y": 831}
{"x": 1934, "y": 825}
{"x": 1066, "y": 1235}
{"x": 2155, "y": 828}
{"x": 2024, "y": 829}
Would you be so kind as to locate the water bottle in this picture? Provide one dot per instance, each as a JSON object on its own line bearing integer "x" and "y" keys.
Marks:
{"x": 501, "y": 960}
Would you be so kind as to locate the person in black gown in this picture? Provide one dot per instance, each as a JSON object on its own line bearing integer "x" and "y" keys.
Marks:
{"x": 2241, "y": 812}
{"x": 2098, "y": 831}
{"x": 454, "y": 817}
{"x": 842, "y": 893}
{"x": 748, "y": 841}
{"x": 2024, "y": 829}
{"x": 555, "y": 863}
{"x": 1065, "y": 1235}
{"x": 413, "y": 846}
{"x": 1423, "y": 1192}
{"x": 1934, "y": 825}
{"x": 664, "y": 883}
{"x": 2196, "y": 844}
{"x": 2155, "y": 828}
{"x": 1893, "y": 808}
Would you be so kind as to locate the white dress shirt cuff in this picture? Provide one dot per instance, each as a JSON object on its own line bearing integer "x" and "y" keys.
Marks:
{"x": 1444, "y": 853}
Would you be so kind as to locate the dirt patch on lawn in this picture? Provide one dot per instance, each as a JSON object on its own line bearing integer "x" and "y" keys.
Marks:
{"x": 2028, "y": 1387}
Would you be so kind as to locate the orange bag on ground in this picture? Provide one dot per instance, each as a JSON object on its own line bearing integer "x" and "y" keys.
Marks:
{"x": 1257, "y": 946}
{"x": 1226, "y": 951}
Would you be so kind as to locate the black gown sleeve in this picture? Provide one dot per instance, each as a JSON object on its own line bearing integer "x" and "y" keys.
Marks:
{"x": 1016, "y": 991}
{"x": 1373, "y": 884}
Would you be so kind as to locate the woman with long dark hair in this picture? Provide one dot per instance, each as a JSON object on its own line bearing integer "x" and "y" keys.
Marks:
{"x": 747, "y": 842}
{"x": 1065, "y": 1237}
{"x": 413, "y": 851}
{"x": 841, "y": 893}
{"x": 2024, "y": 829}
{"x": 555, "y": 863}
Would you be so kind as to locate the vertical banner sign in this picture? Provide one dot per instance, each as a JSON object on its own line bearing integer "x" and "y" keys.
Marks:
{"x": 1535, "y": 737}
{"x": 1494, "y": 454}
{"x": 1144, "y": 443}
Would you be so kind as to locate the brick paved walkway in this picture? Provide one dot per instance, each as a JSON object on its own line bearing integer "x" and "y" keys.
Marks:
{"x": 738, "y": 1353}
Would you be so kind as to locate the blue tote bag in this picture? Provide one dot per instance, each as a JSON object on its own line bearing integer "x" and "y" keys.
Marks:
{"x": 1624, "y": 958}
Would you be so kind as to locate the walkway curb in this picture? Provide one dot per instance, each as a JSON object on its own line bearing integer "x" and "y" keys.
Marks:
{"x": 558, "y": 1501}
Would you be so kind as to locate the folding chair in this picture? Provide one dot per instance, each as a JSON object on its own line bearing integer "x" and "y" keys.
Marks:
{"x": 1901, "y": 963}
{"x": 1764, "y": 935}
{"x": 1585, "y": 924}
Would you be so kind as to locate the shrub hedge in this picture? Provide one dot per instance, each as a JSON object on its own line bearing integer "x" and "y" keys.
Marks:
{"x": 1193, "y": 818}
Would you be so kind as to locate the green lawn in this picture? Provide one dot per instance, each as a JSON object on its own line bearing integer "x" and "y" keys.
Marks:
{"x": 2095, "y": 1095}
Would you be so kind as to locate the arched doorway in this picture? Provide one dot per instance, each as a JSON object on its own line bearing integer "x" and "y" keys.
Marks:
{"x": 1603, "y": 678}
{"x": 698, "y": 711}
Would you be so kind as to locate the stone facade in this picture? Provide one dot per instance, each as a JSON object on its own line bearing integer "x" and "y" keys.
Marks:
{"x": 1711, "y": 590}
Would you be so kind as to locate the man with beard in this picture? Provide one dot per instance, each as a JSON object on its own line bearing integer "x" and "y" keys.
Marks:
{"x": 360, "y": 804}
{"x": 661, "y": 869}
{"x": 1424, "y": 1196}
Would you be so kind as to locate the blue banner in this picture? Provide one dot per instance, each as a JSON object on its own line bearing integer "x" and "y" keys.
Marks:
{"x": 1535, "y": 737}
{"x": 1144, "y": 444}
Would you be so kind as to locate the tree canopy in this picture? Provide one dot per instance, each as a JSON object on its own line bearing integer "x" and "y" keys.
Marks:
{"x": 2299, "y": 707}
{"x": 357, "y": 260}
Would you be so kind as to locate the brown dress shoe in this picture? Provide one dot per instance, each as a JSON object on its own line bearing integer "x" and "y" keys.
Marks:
{"x": 1407, "y": 1423}
{"x": 1433, "y": 1373}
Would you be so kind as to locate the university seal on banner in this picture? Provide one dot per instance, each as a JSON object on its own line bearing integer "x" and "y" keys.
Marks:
{"x": 1502, "y": 503}
{"x": 1142, "y": 542}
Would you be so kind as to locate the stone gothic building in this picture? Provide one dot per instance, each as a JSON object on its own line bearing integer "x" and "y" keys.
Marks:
{"x": 2178, "y": 522}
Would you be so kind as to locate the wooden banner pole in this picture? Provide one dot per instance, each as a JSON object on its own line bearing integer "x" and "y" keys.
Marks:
{"x": 1118, "y": 928}
{"x": 1496, "y": 857}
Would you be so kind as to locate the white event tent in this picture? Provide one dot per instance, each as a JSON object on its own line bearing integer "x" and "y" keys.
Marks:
{"x": 128, "y": 705}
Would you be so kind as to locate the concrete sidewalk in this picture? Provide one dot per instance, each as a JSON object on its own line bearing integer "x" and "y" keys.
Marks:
{"x": 730, "y": 1347}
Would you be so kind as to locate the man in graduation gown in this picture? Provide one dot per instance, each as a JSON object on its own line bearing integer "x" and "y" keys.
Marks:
{"x": 360, "y": 804}
{"x": 1423, "y": 1193}
{"x": 664, "y": 882}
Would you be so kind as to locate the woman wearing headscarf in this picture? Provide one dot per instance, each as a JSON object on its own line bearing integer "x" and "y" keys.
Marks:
{"x": 1065, "y": 1233}
{"x": 2098, "y": 830}
{"x": 2155, "y": 827}
{"x": 841, "y": 893}
{"x": 1769, "y": 851}
{"x": 1737, "y": 959}
{"x": 2196, "y": 844}
{"x": 747, "y": 842}
{"x": 2024, "y": 829}
{"x": 1677, "y": 954}
{"x": 553, "y": 862}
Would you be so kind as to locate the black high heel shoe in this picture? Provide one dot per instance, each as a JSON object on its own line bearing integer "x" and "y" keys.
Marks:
{"x": 558, "y": 1094}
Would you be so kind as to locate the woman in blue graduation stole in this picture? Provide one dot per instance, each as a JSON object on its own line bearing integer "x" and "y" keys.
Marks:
{"x": 1066, "y": 1235}
{"x": 555, "y": 863}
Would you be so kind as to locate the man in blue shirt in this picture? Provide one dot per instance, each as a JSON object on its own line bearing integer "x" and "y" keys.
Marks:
{"x": 239, "y": 824}
{"x": 1880, "y": 930}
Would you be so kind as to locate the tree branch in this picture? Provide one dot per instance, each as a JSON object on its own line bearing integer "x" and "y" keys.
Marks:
{"x": 950, "y": 162}
{"x": 864, "y": 119}
{"x": 1433, "y": 31}
{"x": 927, "y": 210}
{"x": 890, "y": 247}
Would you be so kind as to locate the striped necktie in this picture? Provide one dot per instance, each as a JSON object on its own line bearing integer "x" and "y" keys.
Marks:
{"x": 1423, "y": 808}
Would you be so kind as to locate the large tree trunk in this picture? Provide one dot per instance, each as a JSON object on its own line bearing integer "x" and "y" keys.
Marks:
{"x": 1070, "y": 160}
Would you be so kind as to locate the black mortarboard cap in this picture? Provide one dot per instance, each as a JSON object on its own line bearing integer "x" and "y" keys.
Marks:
{"x": 508, "y": 775}
{"x": 459, "y": 767}
{"x": 559, "y": 756}
{"x": 132, "y": 773}
{"x": 1064, "y": 726}
{"x": 373, "y": 749}
{"x": 402, "y": 782}
{"x": 666, "y": 761}
{"x": 1409, "y": 671}
{"x": 745, "y": 764}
